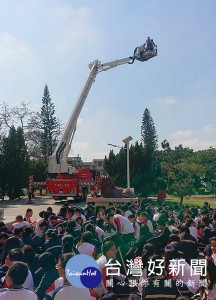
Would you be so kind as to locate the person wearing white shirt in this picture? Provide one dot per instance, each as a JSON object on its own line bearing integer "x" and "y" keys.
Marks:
{"x": 19, "y": 222}
{"x": 125, "y": 212}
{"x": 192, "y": 228}
{"x": 15, "y": 278}
{"x": 124, "y": 226}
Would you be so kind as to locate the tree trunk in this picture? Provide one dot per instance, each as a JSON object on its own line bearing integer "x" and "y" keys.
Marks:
{"x": 181, "y": 200}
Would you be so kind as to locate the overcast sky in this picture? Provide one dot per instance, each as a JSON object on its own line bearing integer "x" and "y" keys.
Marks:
{"x": 50, "y": 41}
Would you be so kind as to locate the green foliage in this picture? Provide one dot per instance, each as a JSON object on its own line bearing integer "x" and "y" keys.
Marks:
{"x": 148, "y": 132}
{"x": 50, "y": 125}
{"x": 207, "y": 158}
{"x": 14, "y": 162}
{"x": 144, "y": 168}
{"x": 38, "y": 169}
{"x": 182, "y": 173}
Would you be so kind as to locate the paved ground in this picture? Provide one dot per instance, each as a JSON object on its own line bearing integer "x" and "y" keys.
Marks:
{"x": 18, "y": 207}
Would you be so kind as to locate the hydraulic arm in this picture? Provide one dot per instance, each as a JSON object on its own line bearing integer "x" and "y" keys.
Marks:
{"x": 58, "y": 160}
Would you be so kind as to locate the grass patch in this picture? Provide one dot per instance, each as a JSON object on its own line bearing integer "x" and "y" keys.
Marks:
{"x": 194, "y": 200}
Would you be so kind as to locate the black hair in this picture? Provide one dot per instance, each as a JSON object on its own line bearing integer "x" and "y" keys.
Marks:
{"x": 67, "y": 243}
{"x": 212, "y": 239}
{"x": 184, "y": 229}
{"x": 107, "y": 246}
{"x": 205, "y": 220}
{"x": 70, "y": 211}
{"x": 148, "y": 250}
{"x": 2, "y": 224}
{"x": 47, "y": 261}
{"x": 211, "y": 270}
{"x": 28, "y": 231}
{"x": 90, "y": 227}
{"x": 41, "y": 213}
{"x": 189, "y": 222}
{"x": 16, "y": 254}
{"x": 109, "y": 215}
{"x": 51, "y": 234}
{"x": 131, "y": 216}
{"x": 100, "y": 223}
{"x": 64, "y": 259}
{"x": 29, "y": 253}
{"x": 71, "y": 224}
{"x": 44, "y": 223}
{"x": 11, "y": 243}
{"x": 18, "y": 230}
{"x": 77, "y": 209}
{"x": 107, "y": 211}
{"x": 46, "y": 215}
{"x": 174, "y": 238}
{"x": 4, "y": 235}
{"x": 86, "y": 237}
{"x": 18, "y": 272}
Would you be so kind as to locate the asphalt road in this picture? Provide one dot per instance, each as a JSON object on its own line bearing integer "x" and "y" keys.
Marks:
{"x": 12, "y": 208}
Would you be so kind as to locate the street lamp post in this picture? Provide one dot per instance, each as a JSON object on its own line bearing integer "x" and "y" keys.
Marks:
{"x": 126, "y": 141}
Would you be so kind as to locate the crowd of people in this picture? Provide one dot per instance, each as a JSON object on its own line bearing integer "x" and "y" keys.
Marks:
{"x": 144, "y": 250}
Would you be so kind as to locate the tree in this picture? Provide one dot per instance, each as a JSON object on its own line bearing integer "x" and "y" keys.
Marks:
{"x": 207, "y": 158}
{"x": 144, "y": 168}
{"x": 50, "y": 125}
{"x": 15, "y": 161}
{"x": 30, "y": 123}
{"x": 181, "y": 172}
{"x": 148, "y": 132}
